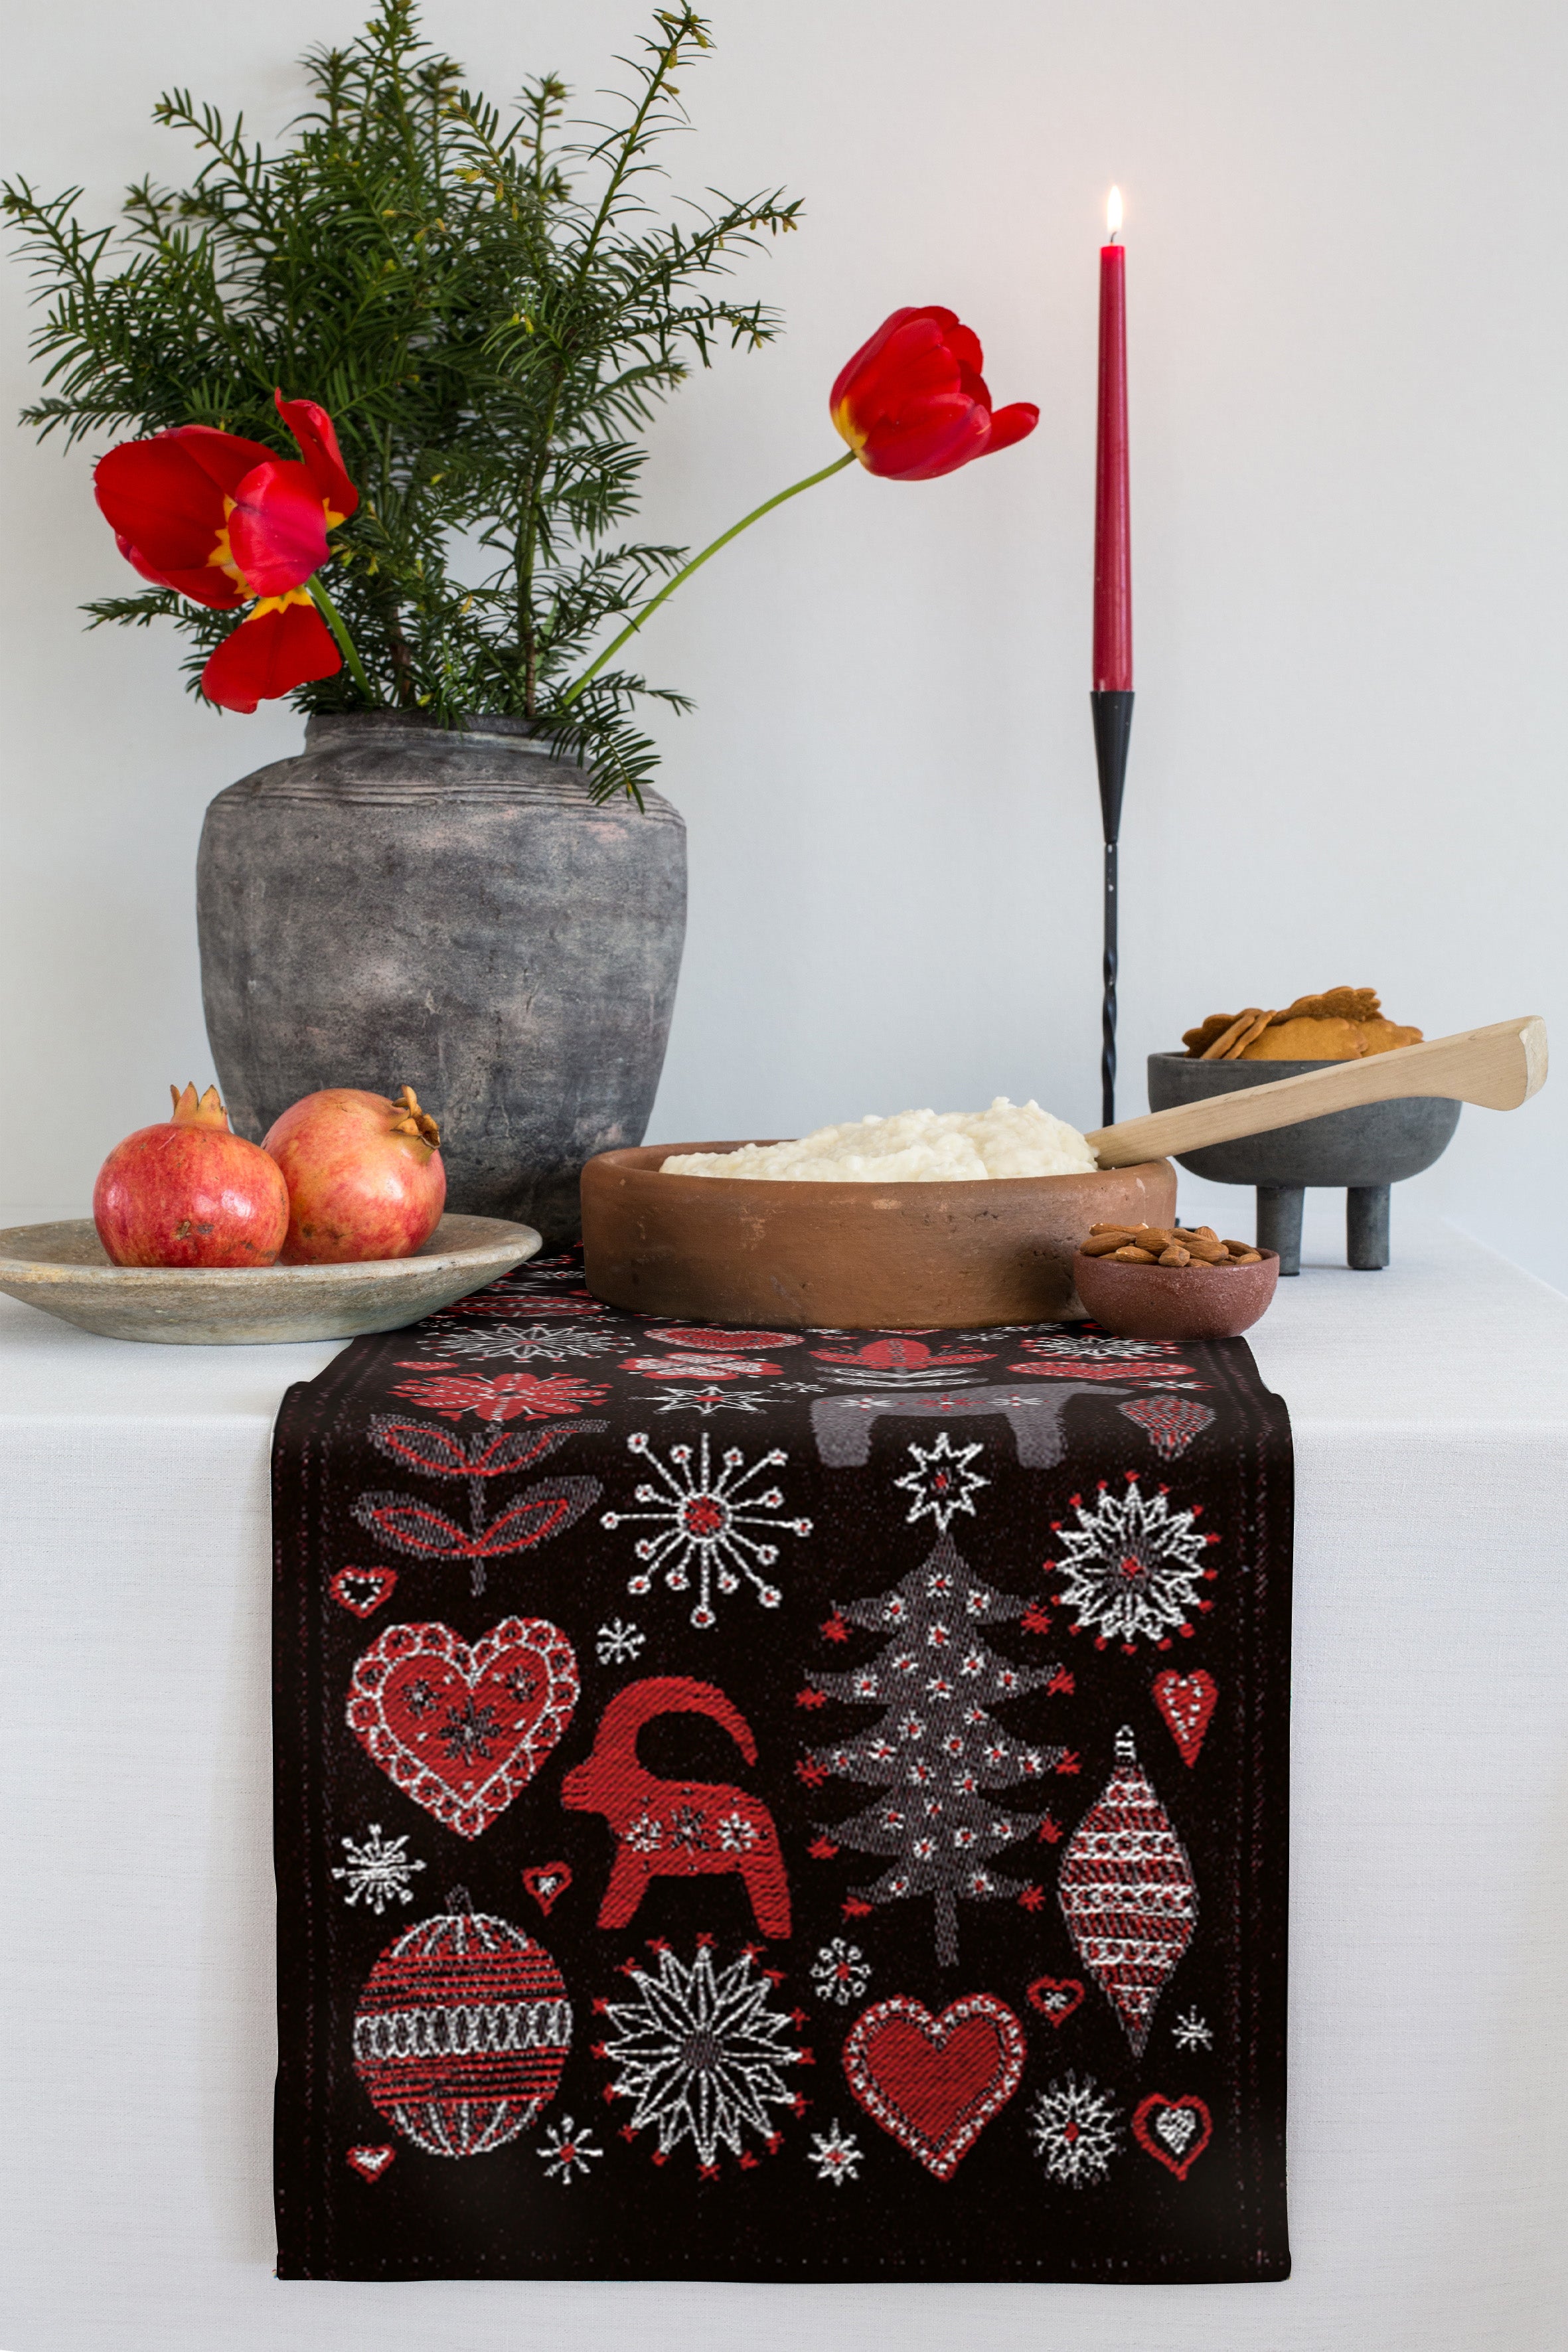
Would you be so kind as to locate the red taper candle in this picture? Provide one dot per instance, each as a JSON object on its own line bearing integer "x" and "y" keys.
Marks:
{"x": 1112, "y": 522}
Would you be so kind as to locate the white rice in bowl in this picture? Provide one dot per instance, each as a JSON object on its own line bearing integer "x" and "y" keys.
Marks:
{"x": 915, "y": 1147}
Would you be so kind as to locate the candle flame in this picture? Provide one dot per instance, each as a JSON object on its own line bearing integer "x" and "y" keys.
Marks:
{"x": 1114, "y": 214}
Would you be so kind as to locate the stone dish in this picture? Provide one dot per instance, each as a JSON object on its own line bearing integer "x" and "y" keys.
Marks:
{"x": 1171, "y": 1302}
{"x": 64, "y": 1270}
{"x": 937, "y": 1257}
{"x": 1365, "y": 1150}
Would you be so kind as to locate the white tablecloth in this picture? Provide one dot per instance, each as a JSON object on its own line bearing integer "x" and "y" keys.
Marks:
{"x": 1429, "y": 2053}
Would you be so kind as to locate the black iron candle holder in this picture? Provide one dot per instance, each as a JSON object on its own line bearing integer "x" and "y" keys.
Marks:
{"x": 1112, "y": 710}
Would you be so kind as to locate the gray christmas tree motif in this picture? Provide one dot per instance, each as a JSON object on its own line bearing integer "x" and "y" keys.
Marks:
{"x": 936, "y": 1750}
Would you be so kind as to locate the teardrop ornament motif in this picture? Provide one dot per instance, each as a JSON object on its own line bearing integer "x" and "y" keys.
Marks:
{"x": 1128, "y": 1894}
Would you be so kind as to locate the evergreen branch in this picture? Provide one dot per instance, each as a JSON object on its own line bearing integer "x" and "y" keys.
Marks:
{"x": 491, "y": 308}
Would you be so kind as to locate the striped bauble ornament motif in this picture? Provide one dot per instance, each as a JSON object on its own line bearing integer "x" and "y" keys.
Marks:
{"x": 462, "y": 2030}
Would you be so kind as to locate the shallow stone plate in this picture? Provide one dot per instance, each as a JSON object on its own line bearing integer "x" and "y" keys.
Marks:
{"x": 64, "y": 1270}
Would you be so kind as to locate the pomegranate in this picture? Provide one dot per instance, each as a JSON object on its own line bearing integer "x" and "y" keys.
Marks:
{"x": 365, "y": 1175}
{"x": 190, "y": 1193}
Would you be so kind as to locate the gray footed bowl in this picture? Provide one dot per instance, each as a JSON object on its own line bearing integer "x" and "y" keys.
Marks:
{"x": 1365, "y": 1150}
{"x": 1378, "y": 1143}
{"x": 64, "y": 1270}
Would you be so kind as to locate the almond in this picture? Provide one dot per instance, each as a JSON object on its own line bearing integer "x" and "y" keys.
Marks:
{"x": 1131, "y": 1256}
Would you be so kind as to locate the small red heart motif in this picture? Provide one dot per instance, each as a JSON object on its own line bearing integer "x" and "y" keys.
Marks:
{"x": 1055, "y": 1997}
{"x": 547, "y": 1883}
{"x": 1176, "y": 2131}
{"x": 934, "y": 2082}
{"x": 463, "y": 1730}
{"x": 370, "y": 2163}
{"x": 1186, "y": 1702}
{"x": 362, "y": 1590}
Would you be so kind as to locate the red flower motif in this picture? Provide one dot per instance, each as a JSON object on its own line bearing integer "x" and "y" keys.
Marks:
{"x": 228, "y": 522}
{"x": 913, "y": 403}
{"x": 503, "y": 1399}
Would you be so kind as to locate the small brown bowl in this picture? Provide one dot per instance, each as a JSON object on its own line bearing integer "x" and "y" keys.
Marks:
{"x": 1174, "y": 1302}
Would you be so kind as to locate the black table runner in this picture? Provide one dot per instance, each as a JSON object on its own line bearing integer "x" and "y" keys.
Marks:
{"x": 779, "y": 1806}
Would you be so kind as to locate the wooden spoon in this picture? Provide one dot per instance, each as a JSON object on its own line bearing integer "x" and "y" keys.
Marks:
{"x": 1499, "y": 1067}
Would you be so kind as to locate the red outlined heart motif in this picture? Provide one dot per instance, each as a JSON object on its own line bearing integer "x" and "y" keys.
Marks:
{"x": 1174, "y": 2132}
{"x": 362, "y": 1590}
{"x": 370, "y": 2163}
{"x": 709, "y": 1341}
{"x": 1055, "y": 1997}
{"x": 1187, "y": 1702}
{"x": 463, "y": 1730}
{"x": 934, "y": 2082}
{"x": 547, "y": 1881}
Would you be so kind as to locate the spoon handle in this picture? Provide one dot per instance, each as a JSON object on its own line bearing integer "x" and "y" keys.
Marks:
{"x": 1499, "y": 1066}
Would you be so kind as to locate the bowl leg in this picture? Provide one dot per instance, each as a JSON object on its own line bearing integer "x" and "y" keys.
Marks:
{"x": 1366, "y": 1226}
{"x": 1279, "y": 1222}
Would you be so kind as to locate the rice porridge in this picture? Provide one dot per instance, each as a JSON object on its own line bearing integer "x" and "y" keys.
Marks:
{"x": 914, "y": 1146}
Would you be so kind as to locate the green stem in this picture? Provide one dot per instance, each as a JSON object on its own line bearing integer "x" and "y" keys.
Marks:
{"x": 339, "y": 628}
{"x": 696, "y": 564}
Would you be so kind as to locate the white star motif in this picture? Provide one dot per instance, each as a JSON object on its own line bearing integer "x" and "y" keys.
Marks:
{"x": 941, "y": 1483}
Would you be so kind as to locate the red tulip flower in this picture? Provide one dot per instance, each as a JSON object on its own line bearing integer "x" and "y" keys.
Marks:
{"x": 228, "y": 522}
{"x": 913, "y": 403}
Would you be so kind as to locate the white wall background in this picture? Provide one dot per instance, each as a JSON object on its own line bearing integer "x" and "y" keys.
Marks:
{"x": 1346, "y": 223}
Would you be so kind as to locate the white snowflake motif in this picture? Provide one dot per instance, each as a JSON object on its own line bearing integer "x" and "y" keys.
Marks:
{"x": 646, "y": 1835}
{"x": 704, "y": 1517}
{"x": 378, "y": 1870}
{"x": 737, "y": 1833}
{"x": 716, "y": 1399}
{"x": 1133, "y": 1567}
{"x": 618, "y": 1643}
{"x": 566, "y": 2151}
{"x": 837, "y": 2155}
{"x": 841, "y": 1971}
{"x": 702, "y": 2054}
{"x": 522, "y": 1343}
{"x": 942, "y": 1481}
{"x": 1193, "y": 2033}
{"x": 1075, "y": 2129}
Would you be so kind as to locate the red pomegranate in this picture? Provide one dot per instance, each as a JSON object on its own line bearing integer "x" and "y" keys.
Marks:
{"x": 190, "y": 1193}
{"x": 365, "y": 1175}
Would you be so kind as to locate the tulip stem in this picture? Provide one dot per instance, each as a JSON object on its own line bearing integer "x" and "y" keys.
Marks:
{"x": 340, "y": 629}
{"x": 696, "y": 564}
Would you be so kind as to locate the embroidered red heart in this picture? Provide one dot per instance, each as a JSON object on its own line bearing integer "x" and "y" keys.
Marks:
{"x": 370, "y": 2163}
{"x": 1055, "y": 1997}
{"x": 463, "y": 1730}
{"x": 934, "y": 2082}
{"x": 1186, "y": 1702}
{"x": 362, "y": 1590}
{"x": 547, "y": 1883}
{"x": 1176, "y": 2131}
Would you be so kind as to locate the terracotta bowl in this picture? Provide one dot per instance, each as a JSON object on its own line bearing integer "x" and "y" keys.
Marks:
{"x": 939, "y": 1257}
{"x": 1171, "y": 1302}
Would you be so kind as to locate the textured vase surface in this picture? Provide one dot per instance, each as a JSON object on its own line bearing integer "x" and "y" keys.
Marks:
{"x": 401, "y": 905}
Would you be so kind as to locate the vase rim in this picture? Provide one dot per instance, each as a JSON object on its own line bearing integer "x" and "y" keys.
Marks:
{"x": 474, "y": 723}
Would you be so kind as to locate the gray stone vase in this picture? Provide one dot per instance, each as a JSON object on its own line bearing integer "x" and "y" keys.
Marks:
{"x": 403, "y": 905}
